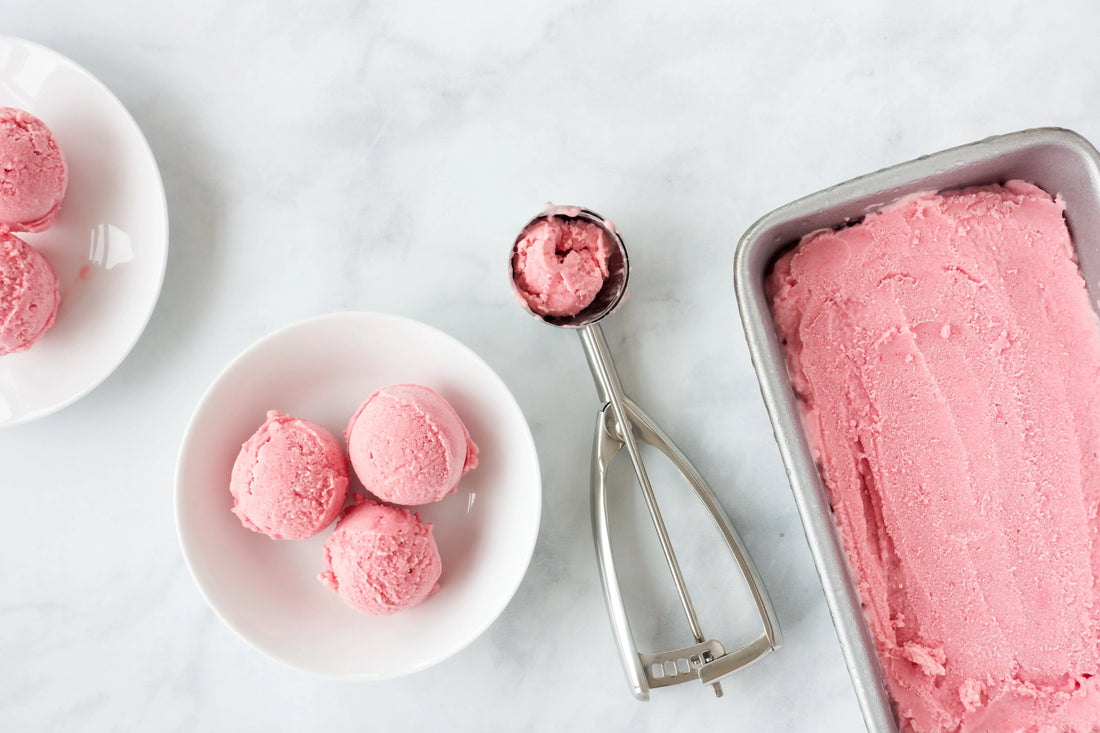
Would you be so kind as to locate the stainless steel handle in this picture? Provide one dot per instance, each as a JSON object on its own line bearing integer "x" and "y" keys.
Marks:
{"x": 607, "y": 381}
{"x": 622, "y": 424}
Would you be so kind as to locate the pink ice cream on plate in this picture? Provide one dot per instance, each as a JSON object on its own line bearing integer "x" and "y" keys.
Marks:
{"x": 946, "y": 361}
{"x": 560, "y": 265}
{"x": 29, "y": 294}
{"x": 381, "y": 559}
{"x": 33, "y": 175}
{"x": 408, "y": 445}
{"x": 290, "y": 479}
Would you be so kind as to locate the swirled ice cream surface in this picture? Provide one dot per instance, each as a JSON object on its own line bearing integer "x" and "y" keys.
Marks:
{"x": 946, "y": 361}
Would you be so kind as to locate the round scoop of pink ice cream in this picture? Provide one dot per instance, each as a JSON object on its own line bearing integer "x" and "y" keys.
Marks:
{"x": 28, "y": 294}
{"x": 408, "y": 445}
{"x": 290, "y": 479}
{"x": 33, "y": 175}
{"x": 381, "y": 559}
{"x": 560, "y": 265}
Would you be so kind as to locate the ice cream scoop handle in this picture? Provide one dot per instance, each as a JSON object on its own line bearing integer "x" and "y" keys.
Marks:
{"x": 622, "y": 424}
{"x": 610, "y": 390}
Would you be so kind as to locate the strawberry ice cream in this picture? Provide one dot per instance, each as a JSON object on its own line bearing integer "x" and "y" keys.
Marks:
{"x": 28, "y": 294}
{"x": 408, "y": 445}
{"x": 381, "y": 559}
{"x": 32, "y": 172}
{"x": 946, "y": 360}
{"x": 560, "y": 265}
{"x": 290, "y": 479}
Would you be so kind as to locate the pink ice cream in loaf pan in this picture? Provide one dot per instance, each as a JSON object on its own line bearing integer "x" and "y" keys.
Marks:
{"x": 927, "y": 346}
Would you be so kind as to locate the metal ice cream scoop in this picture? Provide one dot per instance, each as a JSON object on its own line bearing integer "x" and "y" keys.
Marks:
{"x": 707, "y": 660}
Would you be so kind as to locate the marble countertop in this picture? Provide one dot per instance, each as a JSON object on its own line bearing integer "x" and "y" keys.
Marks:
{"x": 333, "y": 156}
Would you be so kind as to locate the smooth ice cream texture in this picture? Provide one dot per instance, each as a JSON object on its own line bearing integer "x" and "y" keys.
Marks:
{"x": 408, "y": 445}
{"x": 560, "y": 265}
{"x": 946, "y": 362}
{"x": 290, "y": 478}
{"x": 29, "y": 294}
{"x": 381, "y": 559}
{"x": 33, "y": 175}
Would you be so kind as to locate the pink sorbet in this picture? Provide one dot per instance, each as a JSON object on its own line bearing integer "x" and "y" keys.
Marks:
{"x": 29, "y": 294}
{"x": 560, "y": 265}
{"x": 33, "y": 175}
{"x": 946, "y": 358}
{"x": 408, "y": 445}
{"x": 381, "y": 559}
{"x": 290, "y": 479}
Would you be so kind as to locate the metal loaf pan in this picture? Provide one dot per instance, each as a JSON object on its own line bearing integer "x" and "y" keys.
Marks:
{"x": 1060, "y": 161}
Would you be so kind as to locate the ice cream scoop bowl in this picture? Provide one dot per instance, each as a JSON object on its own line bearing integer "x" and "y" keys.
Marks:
{"x": 707, "y": 660}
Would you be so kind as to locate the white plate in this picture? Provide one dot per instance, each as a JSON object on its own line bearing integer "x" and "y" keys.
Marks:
{"x": 109, "y": 244}
{"x": 267, "y": 590}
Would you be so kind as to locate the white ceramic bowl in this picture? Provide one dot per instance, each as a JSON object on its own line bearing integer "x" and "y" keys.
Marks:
{"x": 109, "y": 245}
{"x": 267, "y": 590}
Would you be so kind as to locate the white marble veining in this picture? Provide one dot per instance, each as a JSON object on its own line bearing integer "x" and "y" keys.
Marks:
{"x": 325, "y": 156}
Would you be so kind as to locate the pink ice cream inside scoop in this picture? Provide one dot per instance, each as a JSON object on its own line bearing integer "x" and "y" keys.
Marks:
{"x": 409, "y": 446}
{"x": 381, "y": 559}
{"x": 33, "y": 175}
{"x": 290, "y": 479}
{"x": 28, "y": 294}
{"x": 946, "y": 359}
{"x": 560, "y": 265}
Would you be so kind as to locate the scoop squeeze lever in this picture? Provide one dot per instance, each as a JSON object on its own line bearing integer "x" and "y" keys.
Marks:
{"x": 707, "y": 660}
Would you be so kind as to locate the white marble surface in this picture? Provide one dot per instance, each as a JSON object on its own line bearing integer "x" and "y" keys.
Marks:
{"x": 330, "y": 156}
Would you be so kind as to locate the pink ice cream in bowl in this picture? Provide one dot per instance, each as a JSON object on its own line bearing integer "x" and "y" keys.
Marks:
{"x": 381, "y": 559}
{"x": 33, "y": 175}
{"x": 28, "y": 295}
{"x": 290, "y": 479}
{"x": 296, "y": 549}
{"x": 408, "y": 445}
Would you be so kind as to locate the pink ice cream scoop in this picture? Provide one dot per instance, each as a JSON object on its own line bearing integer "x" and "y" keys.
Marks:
{"x": 33, "y": 175}
{"x": 560, "y": 263}
{"x": 408, "y": 445}
{"x": 290, "y": 479}
{"x": 28, "y": 294}
{"x": 381, "y": 559}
